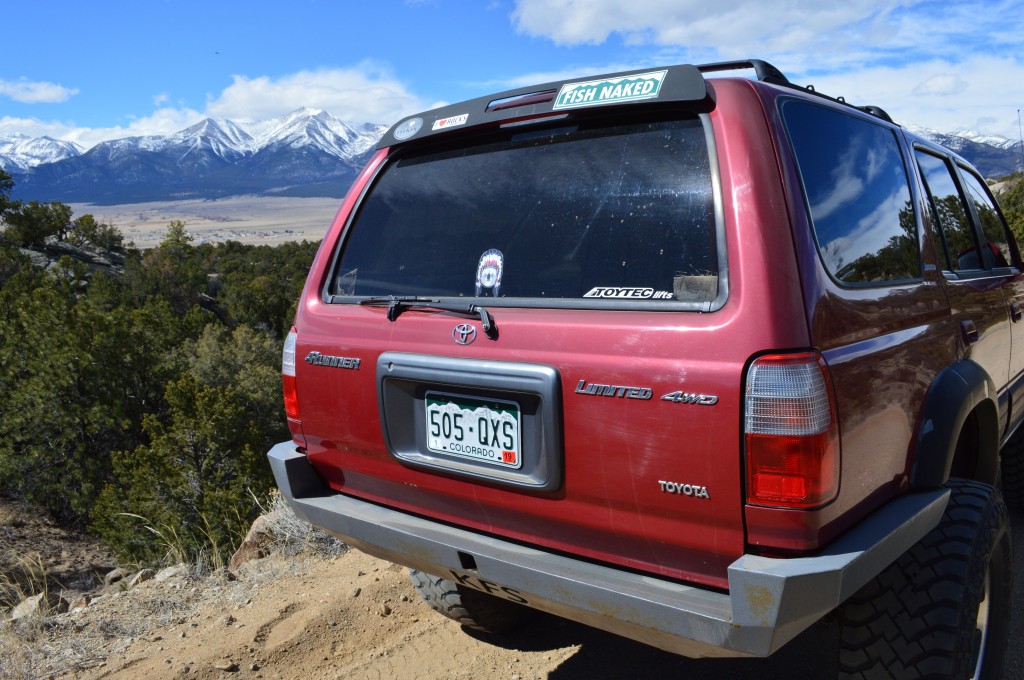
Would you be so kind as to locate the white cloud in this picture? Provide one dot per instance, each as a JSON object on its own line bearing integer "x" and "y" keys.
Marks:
{"x": 161, "y": 122}
{"x": 365, "y": 93}
{"x": 941, "y": 84}
{"x": 732, "y": 27}
{"x": 35, "y": 93}
{"x": 943, "y": 95}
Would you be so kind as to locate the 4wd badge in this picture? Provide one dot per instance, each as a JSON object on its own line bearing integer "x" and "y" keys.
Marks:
{"x": 611, "y": 90}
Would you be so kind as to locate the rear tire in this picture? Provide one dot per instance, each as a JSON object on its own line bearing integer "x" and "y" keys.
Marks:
{"x": 473, "y": 609}
{"x": 942, "y": 609}
{"x": 1012, "y": 471}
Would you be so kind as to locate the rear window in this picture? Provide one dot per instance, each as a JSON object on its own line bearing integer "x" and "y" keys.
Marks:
{"x": 570, "y": 215}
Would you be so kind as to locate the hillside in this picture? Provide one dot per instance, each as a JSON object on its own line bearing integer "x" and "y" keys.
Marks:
{"x": 312, "y": 609}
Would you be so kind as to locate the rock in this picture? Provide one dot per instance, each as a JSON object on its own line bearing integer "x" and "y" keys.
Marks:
{"x": 384, "y": 610}
{"x": 38, "y": 605}
{"x": 257, "y": 542}
{"x": 114, "y": 575}
{"x": 356, "y": 592}
{"x": 171, "y": 572}
{"x": 144, "y": 575}
{"x": 80, "y": 602}
{"x": 226, "y": 665}
{"x": 227, "y": 620}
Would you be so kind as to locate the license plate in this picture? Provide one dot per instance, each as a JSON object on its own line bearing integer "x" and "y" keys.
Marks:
{"x": 486, "y": 430}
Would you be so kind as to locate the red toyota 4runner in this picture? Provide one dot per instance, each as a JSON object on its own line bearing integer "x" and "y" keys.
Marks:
{"x": 698, "y": 361}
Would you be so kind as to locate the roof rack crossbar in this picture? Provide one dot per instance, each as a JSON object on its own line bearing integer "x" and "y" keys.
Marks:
{"x": 762, "y": 69}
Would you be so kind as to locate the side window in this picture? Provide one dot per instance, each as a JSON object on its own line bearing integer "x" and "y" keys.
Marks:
{"x": 950, "y": 213}
{"x": 856, "y": 187}
{"x": 997, "y": 246}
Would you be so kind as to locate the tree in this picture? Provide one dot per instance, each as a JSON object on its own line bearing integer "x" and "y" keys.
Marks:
{"x": 85, "y": 230}
{"x": 32, "y": 223}
{"x": 194, "y": 475}
{"x": 1012, "y": 204}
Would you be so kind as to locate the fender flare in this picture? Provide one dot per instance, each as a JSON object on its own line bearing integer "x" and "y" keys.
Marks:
{"x": 957, "y": 391}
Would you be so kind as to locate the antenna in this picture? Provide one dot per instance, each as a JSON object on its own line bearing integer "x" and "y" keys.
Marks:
{"x": 1021, "y": 134}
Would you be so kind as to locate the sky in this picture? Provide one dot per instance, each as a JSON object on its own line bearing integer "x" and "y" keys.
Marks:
{"x": 92, "y": 71}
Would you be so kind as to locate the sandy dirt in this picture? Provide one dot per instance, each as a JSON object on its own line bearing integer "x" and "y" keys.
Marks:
{"x": 247, "y": 219}
{"x": 308, "y": 617}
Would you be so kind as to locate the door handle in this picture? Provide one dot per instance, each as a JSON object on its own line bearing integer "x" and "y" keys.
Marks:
{"x": 969, "y": 331}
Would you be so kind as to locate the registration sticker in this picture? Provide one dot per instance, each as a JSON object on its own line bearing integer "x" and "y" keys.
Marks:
{"x": 610, "y": 90}
{"x": 453, "y": 121}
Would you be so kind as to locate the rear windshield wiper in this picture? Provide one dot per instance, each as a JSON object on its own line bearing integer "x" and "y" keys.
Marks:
{"x": 397, "y": 303}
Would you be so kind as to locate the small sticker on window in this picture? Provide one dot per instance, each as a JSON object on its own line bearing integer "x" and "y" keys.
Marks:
{"x": 627, "y": 293}
{"x": 408, "y": 128}
{"x": 454, "y": 121}
{"x": 488, "y": 273}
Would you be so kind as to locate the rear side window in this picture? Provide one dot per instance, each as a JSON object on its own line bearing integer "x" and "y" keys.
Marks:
{"x": 950, "y": 213}
{"x": 856, "y": 188}
{"x": 580, "y": 213}
{"x": 997, "y": 243}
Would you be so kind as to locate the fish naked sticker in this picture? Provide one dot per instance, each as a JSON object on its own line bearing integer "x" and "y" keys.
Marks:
{"x": 488, "y": 272}
{"x": 610, "y": 90}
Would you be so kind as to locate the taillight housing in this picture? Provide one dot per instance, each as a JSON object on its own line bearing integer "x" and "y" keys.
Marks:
{"x": 791, "y": 434}
{"x": 291, "y": 398}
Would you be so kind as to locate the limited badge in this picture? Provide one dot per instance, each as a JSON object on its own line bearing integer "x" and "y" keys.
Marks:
{"x": 488, "y": 272}
{"x": 408, "y": 128}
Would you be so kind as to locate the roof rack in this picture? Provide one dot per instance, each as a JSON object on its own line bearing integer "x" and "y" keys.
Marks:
{"x": 762, "y": 69}
{"x": 767, "y": 73}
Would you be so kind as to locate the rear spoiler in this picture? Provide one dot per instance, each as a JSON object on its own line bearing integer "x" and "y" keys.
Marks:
{"x": 671, "y": 84}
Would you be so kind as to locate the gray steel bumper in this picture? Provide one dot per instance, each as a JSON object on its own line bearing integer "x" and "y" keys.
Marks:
{"x": 769, "y": 601}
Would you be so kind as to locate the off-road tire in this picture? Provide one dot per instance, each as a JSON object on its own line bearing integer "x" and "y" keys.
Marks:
{"x": 1012, "y": 471}
{"x": 920, "y": 617}
{"x": 473, "y": 609}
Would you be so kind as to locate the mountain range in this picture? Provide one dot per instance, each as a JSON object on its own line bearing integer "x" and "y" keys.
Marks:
{"x": 307, "y": 152}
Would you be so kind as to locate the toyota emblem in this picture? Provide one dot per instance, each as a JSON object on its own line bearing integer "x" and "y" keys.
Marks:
{"x": 464, "y": 333}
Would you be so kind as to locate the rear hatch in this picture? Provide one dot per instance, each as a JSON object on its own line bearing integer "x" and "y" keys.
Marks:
{"x": 593, "y": 405}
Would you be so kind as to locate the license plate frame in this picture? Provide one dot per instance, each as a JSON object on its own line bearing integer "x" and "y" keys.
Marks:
{"x": 490, "y": 431}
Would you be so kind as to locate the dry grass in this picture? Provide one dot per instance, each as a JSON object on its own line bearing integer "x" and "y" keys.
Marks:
{"x": 294, "y": 536}
{"x": 72, "y": 643}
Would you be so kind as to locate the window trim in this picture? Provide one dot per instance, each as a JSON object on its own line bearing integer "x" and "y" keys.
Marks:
{"x": 611, "y": 118}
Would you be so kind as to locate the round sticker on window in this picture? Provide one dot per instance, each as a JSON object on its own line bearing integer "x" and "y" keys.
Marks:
{"x": 488, "y": 273}
{"x": 408, "y": 128}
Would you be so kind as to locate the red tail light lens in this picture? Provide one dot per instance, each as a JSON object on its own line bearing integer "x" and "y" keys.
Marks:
{"x": 792, "y": 438}
{"x": 291, "y": 399}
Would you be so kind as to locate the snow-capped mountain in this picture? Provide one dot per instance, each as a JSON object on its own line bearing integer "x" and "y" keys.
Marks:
{"x": 19, "y": 153}
{"x": 957, "y": 140}
{"x": 306, "y": 152}
{"x": 993, "y": 155}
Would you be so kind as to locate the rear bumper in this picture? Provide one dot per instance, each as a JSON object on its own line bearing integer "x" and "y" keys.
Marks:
{"x": 769, "y": 601}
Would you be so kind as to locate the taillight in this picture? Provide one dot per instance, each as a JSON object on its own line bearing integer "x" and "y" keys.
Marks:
{"x": 792, "y": 438}
{"x": 291, "y": 399}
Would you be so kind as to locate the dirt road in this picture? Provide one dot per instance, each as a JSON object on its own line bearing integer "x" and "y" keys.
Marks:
{"x": 357, "y": 617}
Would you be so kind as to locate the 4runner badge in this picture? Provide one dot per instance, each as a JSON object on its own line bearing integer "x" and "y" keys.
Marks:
{"x": 611, "y": 90}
